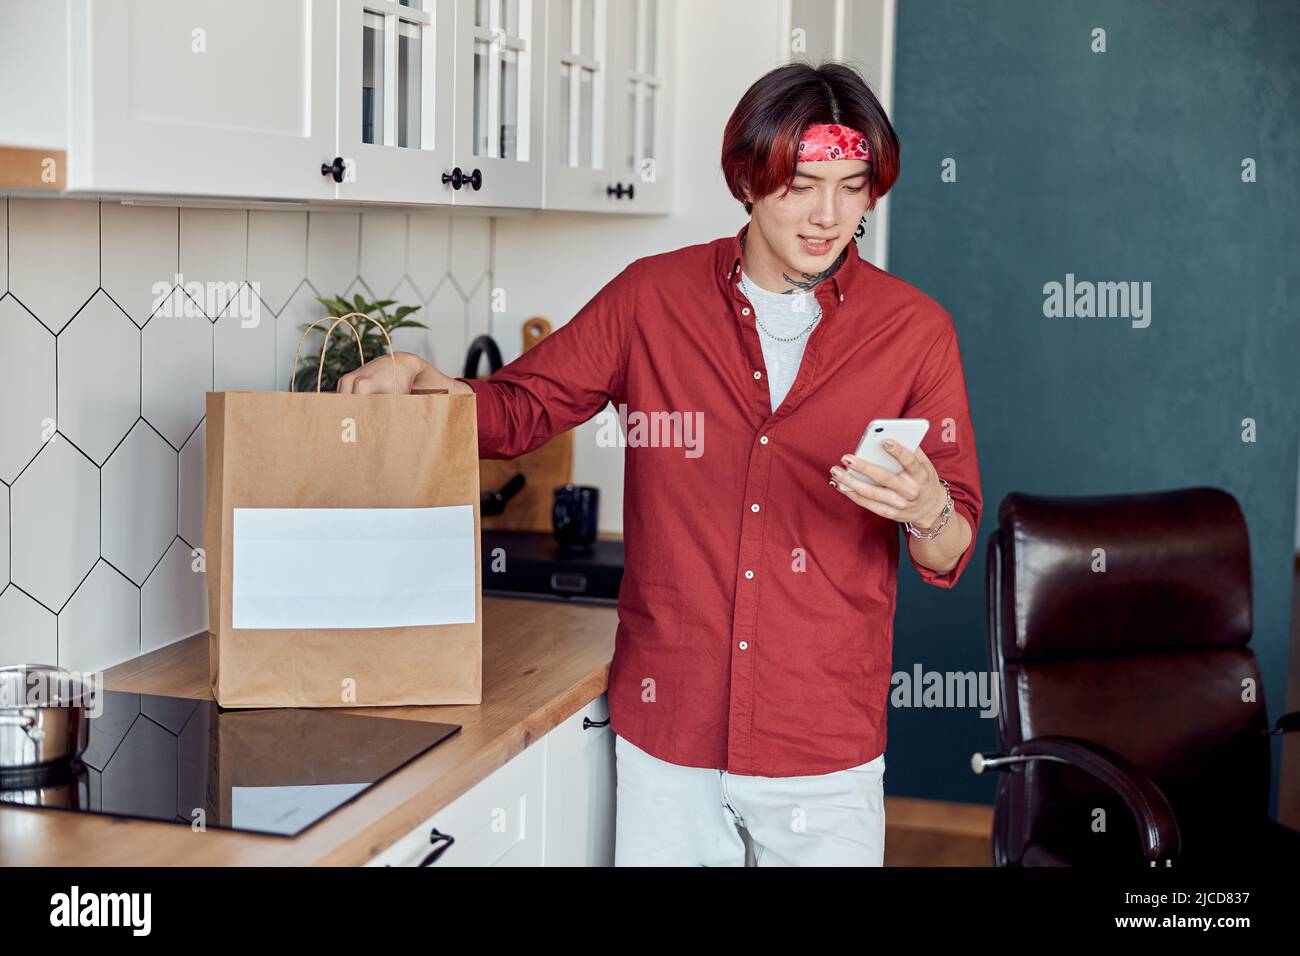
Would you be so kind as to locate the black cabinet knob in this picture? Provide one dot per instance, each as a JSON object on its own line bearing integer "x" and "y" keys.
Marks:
{"x": 618, "y": 190}
{"x": 335, "y": 169}
{"x": 459, "y": 178}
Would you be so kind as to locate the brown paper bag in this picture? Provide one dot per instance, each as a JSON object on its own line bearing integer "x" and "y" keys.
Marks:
{"x": 278, "y": 587}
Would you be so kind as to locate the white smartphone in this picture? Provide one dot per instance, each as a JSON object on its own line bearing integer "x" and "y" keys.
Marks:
{"x": 908, "y": 432}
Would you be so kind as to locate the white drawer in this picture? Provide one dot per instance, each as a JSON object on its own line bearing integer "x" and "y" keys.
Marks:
{"x": 499, "y": 816}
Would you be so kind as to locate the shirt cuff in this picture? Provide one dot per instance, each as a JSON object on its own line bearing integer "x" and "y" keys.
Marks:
{"x": 489, "y": 413}
{"x": 946, "y": 579}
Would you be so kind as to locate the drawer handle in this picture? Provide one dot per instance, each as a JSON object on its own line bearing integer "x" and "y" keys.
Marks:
{"x": 435, "y": 837}
{"x": 588, "y": 723}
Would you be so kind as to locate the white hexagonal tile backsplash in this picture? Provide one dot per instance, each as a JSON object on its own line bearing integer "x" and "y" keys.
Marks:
{"x": 243, "y": 346}
{"x": 53, "y": 256}
{"x": 99, "y": 377}
{"x": 277, "y": 254}
{"x": 190, "y": 501}
{"x": 139, "y": 502}
{"x": 4, "y": 536}
{"x": 95, "y": 584}
{"x": 101, "y": 624}
{"x": 175, "y": 370}
{"x": 54, "y": 523}
{"x": 4, "y": 248}
{"x": 27, "y": 392}
{"x": 174, "y": 601}
{"x": 28, "y": 632}
{"x": 138, "y": 256}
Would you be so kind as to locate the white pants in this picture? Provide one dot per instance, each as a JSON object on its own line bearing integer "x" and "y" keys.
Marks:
{"x": 668, "y": 815}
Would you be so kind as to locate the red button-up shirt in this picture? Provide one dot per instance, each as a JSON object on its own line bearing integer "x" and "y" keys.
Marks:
{"x": 756, "y": 611}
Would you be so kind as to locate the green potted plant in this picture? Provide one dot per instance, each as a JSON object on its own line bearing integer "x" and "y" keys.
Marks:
{"x": 341, "y": 351}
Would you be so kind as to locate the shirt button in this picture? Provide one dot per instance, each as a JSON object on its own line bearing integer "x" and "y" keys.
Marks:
{"x": 763, "y": 440}
{"x": 841, "y": 298}
{"x": 749, "y": 574}
{"x": 744, "y": 311}
{"x": 753, "y": 507}
{"x": 744, "y": 645}
{"x": 758, "y": 375}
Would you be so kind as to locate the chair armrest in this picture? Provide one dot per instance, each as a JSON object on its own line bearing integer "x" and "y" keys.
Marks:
{"x": 1287, "y": 724}
{"x": 1157, "y": 826}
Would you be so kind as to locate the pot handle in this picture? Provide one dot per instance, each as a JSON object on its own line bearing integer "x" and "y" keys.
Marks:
{"x": 27, "y": 722}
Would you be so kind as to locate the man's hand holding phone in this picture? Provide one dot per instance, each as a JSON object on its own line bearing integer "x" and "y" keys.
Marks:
{"x": 914, "y": 494}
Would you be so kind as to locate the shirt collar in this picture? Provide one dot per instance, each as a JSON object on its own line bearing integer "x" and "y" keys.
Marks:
{"x": 841, "y": 282}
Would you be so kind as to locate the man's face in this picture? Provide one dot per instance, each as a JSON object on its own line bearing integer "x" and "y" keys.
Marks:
{"x": 825, "y": 202}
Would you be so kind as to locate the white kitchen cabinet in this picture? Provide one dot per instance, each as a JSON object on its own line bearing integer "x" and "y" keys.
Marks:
{"x": 498, "y": 821}
{"x": 500, "y": 55}
{"x": 608, "y": 105}
{"x": 579, "y": 137}
{"x": 523, "y": 104}
{"x": 552, "y": 805}
{"x": 641, "y": 107}
{"x": 396, "y": 101}
{"x": 580, "y": 789}
{"x": 221, "y": 98}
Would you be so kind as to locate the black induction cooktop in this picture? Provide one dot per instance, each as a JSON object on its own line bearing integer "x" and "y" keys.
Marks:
{"x": 275, "y": 771}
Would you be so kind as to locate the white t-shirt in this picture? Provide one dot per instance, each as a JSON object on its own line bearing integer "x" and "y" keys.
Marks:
{"x": 783, "y": 314}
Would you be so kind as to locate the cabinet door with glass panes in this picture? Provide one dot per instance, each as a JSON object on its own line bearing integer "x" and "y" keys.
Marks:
{"x": 500, "y": 55}
{"x": 579, "y": 118}
{"x": 640, "y": 103}
{"x": 396, "y": 103}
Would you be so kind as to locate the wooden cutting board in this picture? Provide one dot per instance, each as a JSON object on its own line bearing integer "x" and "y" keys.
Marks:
{"x": 543, "y": 468}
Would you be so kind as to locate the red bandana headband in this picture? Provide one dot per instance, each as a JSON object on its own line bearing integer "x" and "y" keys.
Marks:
{"x": 832, "y": 141}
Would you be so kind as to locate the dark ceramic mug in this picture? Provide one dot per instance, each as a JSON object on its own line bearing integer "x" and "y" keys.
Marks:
{"x": 574, "y": 515}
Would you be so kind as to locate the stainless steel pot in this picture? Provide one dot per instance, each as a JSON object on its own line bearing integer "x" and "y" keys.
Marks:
{"x": 43, "y": 717}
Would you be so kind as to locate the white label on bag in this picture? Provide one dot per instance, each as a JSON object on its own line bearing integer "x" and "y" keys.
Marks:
{"x": 353, "y": 567}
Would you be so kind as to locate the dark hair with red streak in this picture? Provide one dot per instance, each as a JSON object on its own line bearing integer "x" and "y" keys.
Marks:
{"x": 761, "y": 142}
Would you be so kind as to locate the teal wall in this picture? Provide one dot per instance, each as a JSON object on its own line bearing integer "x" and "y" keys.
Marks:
{"x": 1123, "y": 165}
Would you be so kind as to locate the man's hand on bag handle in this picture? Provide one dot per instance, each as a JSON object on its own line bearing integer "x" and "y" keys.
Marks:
{"x": 376, "y": 377}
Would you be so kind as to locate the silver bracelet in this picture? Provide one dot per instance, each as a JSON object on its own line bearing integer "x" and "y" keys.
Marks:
{"x": 943, "y": 519}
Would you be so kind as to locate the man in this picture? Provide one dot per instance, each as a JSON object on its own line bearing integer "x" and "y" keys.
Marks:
{"x": 749, "y": 684}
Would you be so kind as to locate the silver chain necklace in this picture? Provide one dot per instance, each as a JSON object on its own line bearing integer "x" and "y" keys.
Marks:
{"x": 777, "y": 338}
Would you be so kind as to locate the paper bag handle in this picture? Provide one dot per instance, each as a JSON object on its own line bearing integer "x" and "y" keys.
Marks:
{"x": 320, "y": 371}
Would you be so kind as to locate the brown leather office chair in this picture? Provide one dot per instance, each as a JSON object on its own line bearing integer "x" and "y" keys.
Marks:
{"x": 1126, "y": 728}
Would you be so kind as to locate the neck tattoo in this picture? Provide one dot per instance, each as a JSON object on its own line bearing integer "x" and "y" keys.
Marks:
{"x": 808, "y": 281}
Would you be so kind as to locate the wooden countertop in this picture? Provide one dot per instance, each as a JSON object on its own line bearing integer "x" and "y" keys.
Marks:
{"x": 542, "y": 662}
